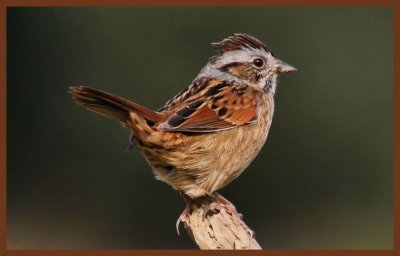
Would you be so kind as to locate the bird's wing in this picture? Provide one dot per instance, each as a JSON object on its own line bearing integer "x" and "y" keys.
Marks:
{"x": 210, "y": 105}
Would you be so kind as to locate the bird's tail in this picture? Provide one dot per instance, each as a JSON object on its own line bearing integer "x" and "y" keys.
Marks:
{"x": 111, "y": 106}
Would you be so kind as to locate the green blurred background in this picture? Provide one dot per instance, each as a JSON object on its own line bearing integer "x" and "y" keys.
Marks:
{"x": 322, "y": 181}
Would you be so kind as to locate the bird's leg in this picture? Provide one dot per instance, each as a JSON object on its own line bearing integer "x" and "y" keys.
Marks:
{"x": 186, "y": 211}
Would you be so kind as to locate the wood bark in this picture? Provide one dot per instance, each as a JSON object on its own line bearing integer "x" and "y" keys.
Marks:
{"x": 215, "y": 225}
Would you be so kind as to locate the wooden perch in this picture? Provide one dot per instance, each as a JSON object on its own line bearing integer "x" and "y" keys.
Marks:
{"x": 215, "y": 225}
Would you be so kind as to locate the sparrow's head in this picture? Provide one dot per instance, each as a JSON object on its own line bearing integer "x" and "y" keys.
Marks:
{"x": 249, "y": 61}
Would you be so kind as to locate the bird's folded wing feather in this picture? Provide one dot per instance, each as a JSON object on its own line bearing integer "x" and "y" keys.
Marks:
{"x": 211, "y": 105}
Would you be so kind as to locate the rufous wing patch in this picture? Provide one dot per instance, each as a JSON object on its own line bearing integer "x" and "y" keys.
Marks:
{"x": 220, "y": 106}
{"x": 238, "y": 105}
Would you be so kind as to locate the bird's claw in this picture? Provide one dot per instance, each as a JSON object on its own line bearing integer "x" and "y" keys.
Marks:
{"x": 178, "y": 222}
{"x": 182, "y": 218}
{"x": 212, "y": 207}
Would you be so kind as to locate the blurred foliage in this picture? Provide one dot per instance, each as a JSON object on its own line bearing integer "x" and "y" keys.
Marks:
{"x": 323, "y": 180}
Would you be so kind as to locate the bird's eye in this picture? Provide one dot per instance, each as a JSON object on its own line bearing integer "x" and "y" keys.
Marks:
{"x": 258, "y": 62}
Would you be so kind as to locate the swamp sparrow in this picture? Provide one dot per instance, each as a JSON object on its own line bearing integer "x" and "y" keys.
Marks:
{"x": 205, "y": 136}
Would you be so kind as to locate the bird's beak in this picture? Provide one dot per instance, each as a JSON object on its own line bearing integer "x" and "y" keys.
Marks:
{"x": 282, "y": 67}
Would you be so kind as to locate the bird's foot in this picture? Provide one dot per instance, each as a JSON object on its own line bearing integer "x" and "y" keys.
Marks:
{"x": 220, "y": 203}
{"x": 185, "y": 212}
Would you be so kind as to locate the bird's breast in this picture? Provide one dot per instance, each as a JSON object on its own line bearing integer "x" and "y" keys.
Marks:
{"x": 235, "y": 149}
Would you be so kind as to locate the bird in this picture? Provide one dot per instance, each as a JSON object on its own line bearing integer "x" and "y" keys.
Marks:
{"x": 207, "y": 135}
